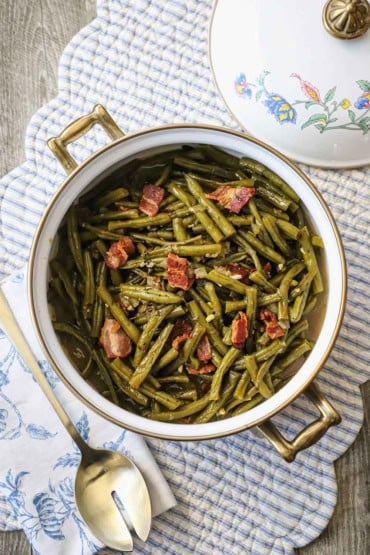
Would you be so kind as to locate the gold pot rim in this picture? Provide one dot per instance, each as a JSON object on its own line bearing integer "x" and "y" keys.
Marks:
{"x": 271, "y": 412}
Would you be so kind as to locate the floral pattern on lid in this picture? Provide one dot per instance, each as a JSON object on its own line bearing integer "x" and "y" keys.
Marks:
{"x": 329, "y": 111}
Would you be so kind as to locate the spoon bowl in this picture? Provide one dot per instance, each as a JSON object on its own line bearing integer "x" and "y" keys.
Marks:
{"x": 109, "y": 489}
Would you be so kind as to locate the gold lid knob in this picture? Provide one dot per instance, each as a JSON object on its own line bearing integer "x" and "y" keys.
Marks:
{"x": 346, "y": 19}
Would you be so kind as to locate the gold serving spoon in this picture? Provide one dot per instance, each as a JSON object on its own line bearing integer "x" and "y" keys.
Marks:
{"x": 109, "y": 488}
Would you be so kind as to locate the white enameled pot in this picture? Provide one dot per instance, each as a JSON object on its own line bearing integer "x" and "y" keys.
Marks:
{"x": 119, "y": 152}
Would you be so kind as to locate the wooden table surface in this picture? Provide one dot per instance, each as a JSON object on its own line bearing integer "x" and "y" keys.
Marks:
{"x": 32, "y": 37}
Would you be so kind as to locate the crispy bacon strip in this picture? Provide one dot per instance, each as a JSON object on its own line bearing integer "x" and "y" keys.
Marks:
{"x": 180, "y": 333}
{"x": 119, "y": 252}
{"x": 205, "y": 369}
{"x": 239, "y": 330}
{"x": 272, "y": 327}
{"x": 151, "y": 199}
{"x": 114, "y": 340}
{"x": 232, "y": 198}
{"x": 177, "y": 272}
{"x": 204, "y": 352}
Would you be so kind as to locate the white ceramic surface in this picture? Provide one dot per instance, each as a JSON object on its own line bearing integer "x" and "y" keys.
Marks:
{"x": 142, "y": 144}
{"x": 290, "y": 83}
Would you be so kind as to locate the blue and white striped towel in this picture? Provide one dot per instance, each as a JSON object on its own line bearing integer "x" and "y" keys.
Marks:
{"x": 144, "y": 62}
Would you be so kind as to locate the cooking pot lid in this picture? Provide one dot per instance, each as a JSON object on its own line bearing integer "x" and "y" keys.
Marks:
{"x": 290, "y": 78}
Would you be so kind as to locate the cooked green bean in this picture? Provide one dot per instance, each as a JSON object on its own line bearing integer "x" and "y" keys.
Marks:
{"x": 265, "y": 300}
{"x": 259, "y": 279}
{"x": 63, "y": 327}
{"x": 179, "y": 230}
{"x": 243, "y": 383}
{"x": 214, "y": 406}
{"x": 248, "y": 405}
{"x": 271, "y": 226}
{"x": 294, "y": 354}
{"x": 127, "y": 326}
{"x": 189, "y": 250}
{"x": 259, "y": 221}
{"x": 283, "y": 312}
{"x": 252, "y": 368}
{"x": 213, "y": 299}
{"x": 174, "y": 379}
{"x": 242, "y": 221}
{"x": 228, "y": 360}
{"x": 290, "y": 230}
{"x": 214, "y": 337}
{"x": 146, "y": 364}
{"x": 311, "y": 303}
{"x": 183, "y": 412}
{"x": 263, "y": 249}
{"x": 74, "y": 240}
{"x": 147, "y": 334}
{"x": 296, "y": 311}
{"x": 129, "y": 391}
{"x": 230, "y": 283}
{"x": 150, "y": 294}
{"x": 165, "y": 360}
{"x": 101, "y": 232}
{"x": 316, "y": 241}
{"x": 241, "y": 240}
{"x": 269, "y": 175}
{"x": 201, "y": 216}
{"x": 246, "y": 277}
{"x": 110, "y": 197}
{"x": 104, "y": 374}
{"x": 310, "y": 260}
{"x": 219, "y": 219}
{"x": 251, "y": 308}
{"x": 161, "y": 397}
{"x": 138, "y": 223}
{"x": 296, "y": 331}
{"x": 60, "y": 271}
{"x": 210, "y": 169}
{"x": 231, "y": 306}
{"x": 164, "y": 175}
{"x": 113, "y": 215}
{"x": 89, "y": 293}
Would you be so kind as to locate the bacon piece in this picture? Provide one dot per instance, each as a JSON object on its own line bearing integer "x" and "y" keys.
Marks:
{"x": 151, "y": 199}
{"x": 205, "y": 369}
{"x": 272, "y": 328}
{"x": 177, "y": 272}
{"x": 232, "y": 198}
{"x": 119, "y": 252}
{"x": 239, "y": 330}
{"x": 180, "y": 333}
{"x": 267, "y": 269}
{"x": 114, "y": 340}
{"x": 238, "y": 272}
{"x": 204, "y": 352}
{"x": 205, "y": 386}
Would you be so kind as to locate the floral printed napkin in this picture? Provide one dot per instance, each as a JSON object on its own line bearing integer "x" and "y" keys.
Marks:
{"x": 38, "y": 458}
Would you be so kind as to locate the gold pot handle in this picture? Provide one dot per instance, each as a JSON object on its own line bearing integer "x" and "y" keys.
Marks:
{"x": 311, "y": 433}
{"x": 78, "y": 128}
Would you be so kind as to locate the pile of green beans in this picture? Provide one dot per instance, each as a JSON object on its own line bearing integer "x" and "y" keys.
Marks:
{"x": 269, "y": 240}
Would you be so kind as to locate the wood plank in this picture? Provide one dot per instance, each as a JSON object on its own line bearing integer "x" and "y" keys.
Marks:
{"x": 14, "y": 543}
{"x": 32, "y": 37}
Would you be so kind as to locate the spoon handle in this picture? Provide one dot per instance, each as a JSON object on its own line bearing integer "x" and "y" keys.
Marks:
{"x": 10, "y": 326}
